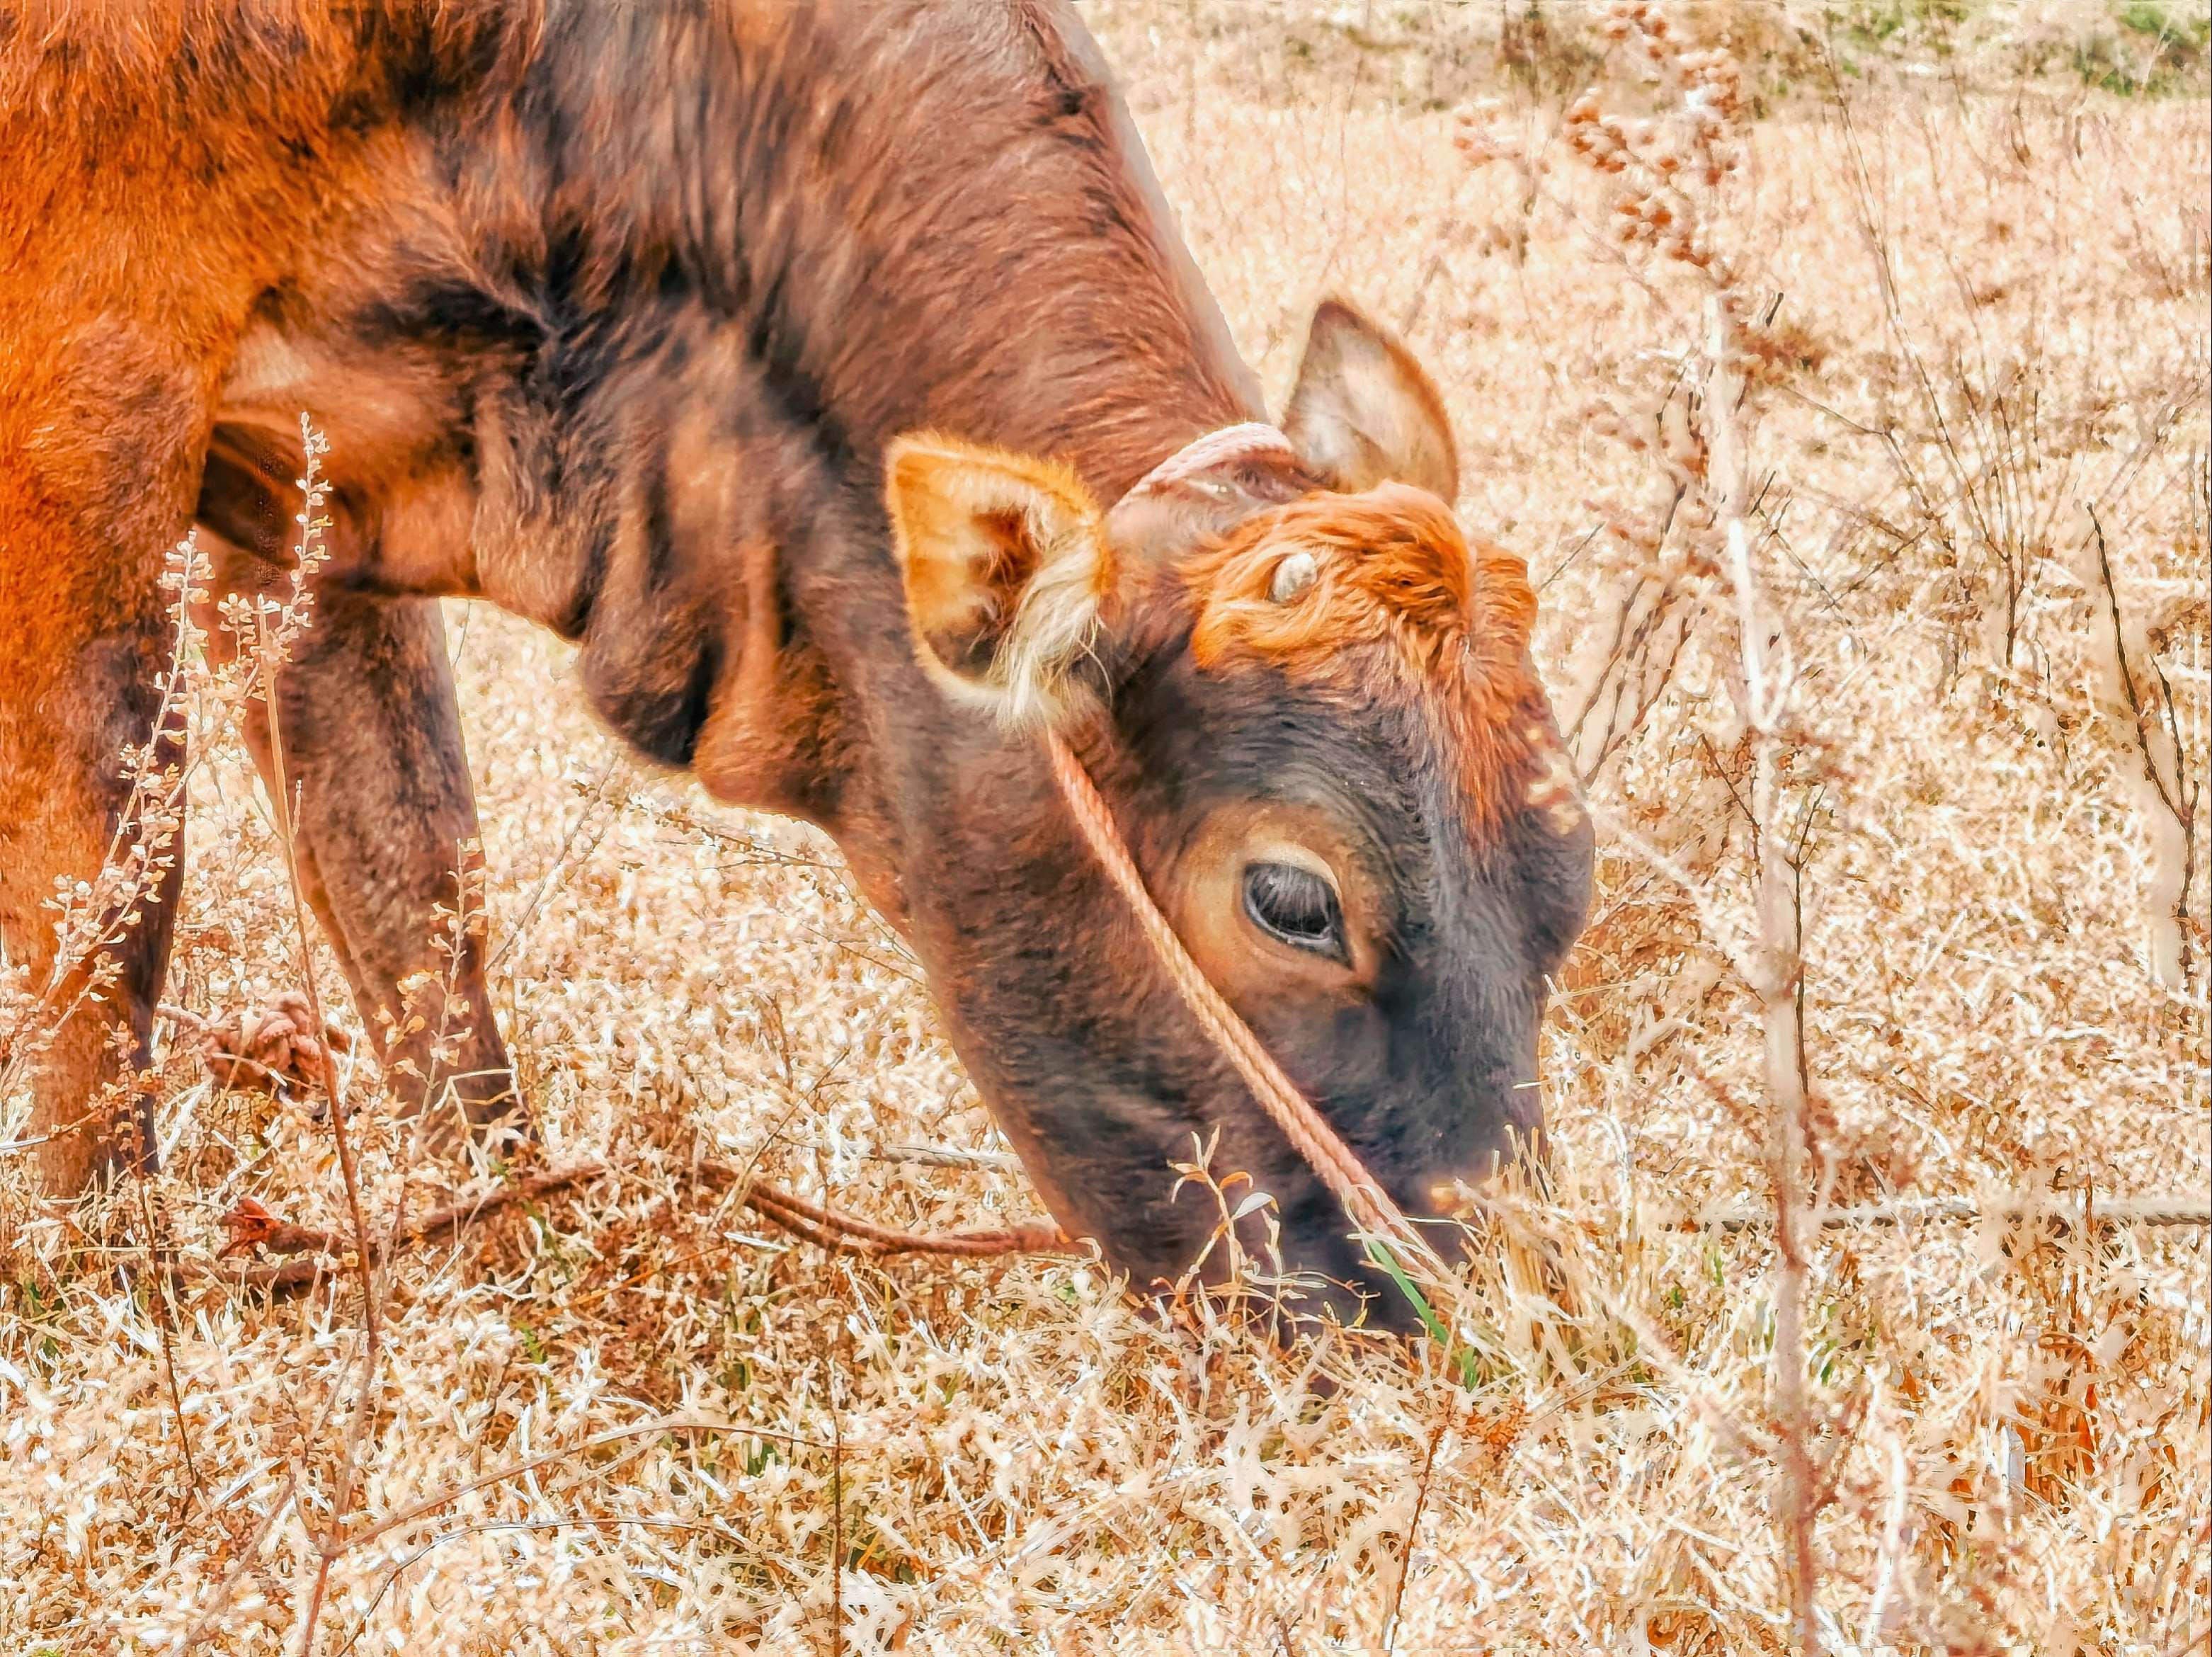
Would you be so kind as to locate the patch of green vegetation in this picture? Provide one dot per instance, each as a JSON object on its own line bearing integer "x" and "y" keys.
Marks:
{"x": 40, "y": 1308}
{"x": 1461, "y": 1358}
{"x": 1885, "y": 19}
{"x": 872, "y": 1551}
{"x": 2156, "y": 48}
{"x": 1890, "y": 26}
{"x": 2163, "y": 20}
{"x": 533, "y": 1350}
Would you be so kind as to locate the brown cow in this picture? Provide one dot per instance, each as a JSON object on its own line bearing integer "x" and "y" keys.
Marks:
{"x": 624, "y": 317}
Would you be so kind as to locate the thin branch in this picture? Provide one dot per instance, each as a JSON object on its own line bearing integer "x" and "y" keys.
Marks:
{"x": 2051, "y": 1210}
{"x": 1412, "y": 1534}
{"x": 946, "y": 1157}
{"x": 160, "y": 1299}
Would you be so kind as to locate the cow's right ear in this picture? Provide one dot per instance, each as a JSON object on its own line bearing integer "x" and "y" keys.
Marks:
{"x": 1006, "y": 565}
{"x": 1363, "y": 412}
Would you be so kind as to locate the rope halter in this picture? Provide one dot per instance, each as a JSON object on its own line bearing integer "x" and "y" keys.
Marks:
{"x": 1212, "y": 449}
{"x": 1364, "y": 1201}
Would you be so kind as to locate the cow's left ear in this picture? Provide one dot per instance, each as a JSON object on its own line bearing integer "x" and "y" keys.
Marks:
{"x": 1363, "y": 412}
{"x": 1005, "y": 564}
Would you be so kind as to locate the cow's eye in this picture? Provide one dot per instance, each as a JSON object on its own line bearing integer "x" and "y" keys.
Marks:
{"x": 1297, "y": 905}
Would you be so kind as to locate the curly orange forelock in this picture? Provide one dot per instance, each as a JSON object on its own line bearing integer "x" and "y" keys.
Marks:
{"x": 1392, "y": 570}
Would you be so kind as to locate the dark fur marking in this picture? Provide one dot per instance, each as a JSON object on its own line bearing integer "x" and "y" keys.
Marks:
{"x": 798, "y": 396}
{"x": 449, "y": 312}
{"x": 651, "y": 675}
{"x": 661, "y": 551}
{"x": 599, "y": 545}
{"x": 238, "y": 504}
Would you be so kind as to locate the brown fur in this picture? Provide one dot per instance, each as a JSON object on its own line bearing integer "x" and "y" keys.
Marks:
{"x": 612, "y": 314}
{"x": 210, "y": 197}
{"x": 155, "y": 189}
{"x": 1399, "y": 608}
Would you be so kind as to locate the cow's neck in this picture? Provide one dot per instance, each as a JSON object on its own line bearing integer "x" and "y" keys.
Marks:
{"x": 906, "y": 216}
{"x": 1029, "y": 315}
{"x": 977, "y": 245}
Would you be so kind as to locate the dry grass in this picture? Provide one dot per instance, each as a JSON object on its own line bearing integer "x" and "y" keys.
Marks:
{"x": 627, "y": 1420}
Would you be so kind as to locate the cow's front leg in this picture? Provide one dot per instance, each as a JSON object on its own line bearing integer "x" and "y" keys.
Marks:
{"x": 101, "y": 429}
{"x": 89, "y": 849}
{"x": 367, "y": 744}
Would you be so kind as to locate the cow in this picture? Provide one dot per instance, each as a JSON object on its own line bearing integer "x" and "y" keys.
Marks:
{"x": 831, "y": 372}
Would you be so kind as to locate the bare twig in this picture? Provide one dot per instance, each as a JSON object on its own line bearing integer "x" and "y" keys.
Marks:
{"x": 160, "y": 1299}
{"x": 1412, "y": 1535}
{"x": 269, "y": 647}
{"x": 837, "y": 1514}
{"x": 944, "y": 1156}
{"x": 2053, "y": 1211}
{"x": 1668, "y": 206}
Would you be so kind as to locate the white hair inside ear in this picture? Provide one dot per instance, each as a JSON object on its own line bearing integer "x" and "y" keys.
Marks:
{"x": 1294, "y": 574}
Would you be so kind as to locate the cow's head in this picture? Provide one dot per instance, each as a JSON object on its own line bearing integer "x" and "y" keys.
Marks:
{"x": 1311, "y": 704}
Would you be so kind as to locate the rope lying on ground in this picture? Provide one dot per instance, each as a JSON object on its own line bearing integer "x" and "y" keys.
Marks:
{"x": 271, "y": 1049}
{"x": 826, "y": 1228}
{"x": 252, "y": 1228}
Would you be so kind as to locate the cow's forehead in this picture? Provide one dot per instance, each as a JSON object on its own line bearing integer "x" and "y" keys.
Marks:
{"x": 1380, "y": 598}
{"x": 1389, "y": 564}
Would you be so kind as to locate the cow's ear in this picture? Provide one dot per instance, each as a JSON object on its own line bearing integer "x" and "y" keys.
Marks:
{"x": 1363, "y": 412}
{"x": 1006, "y": 566}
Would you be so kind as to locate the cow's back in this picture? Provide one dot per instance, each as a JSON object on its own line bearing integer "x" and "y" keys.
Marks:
{"x": 926, "y": 214}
